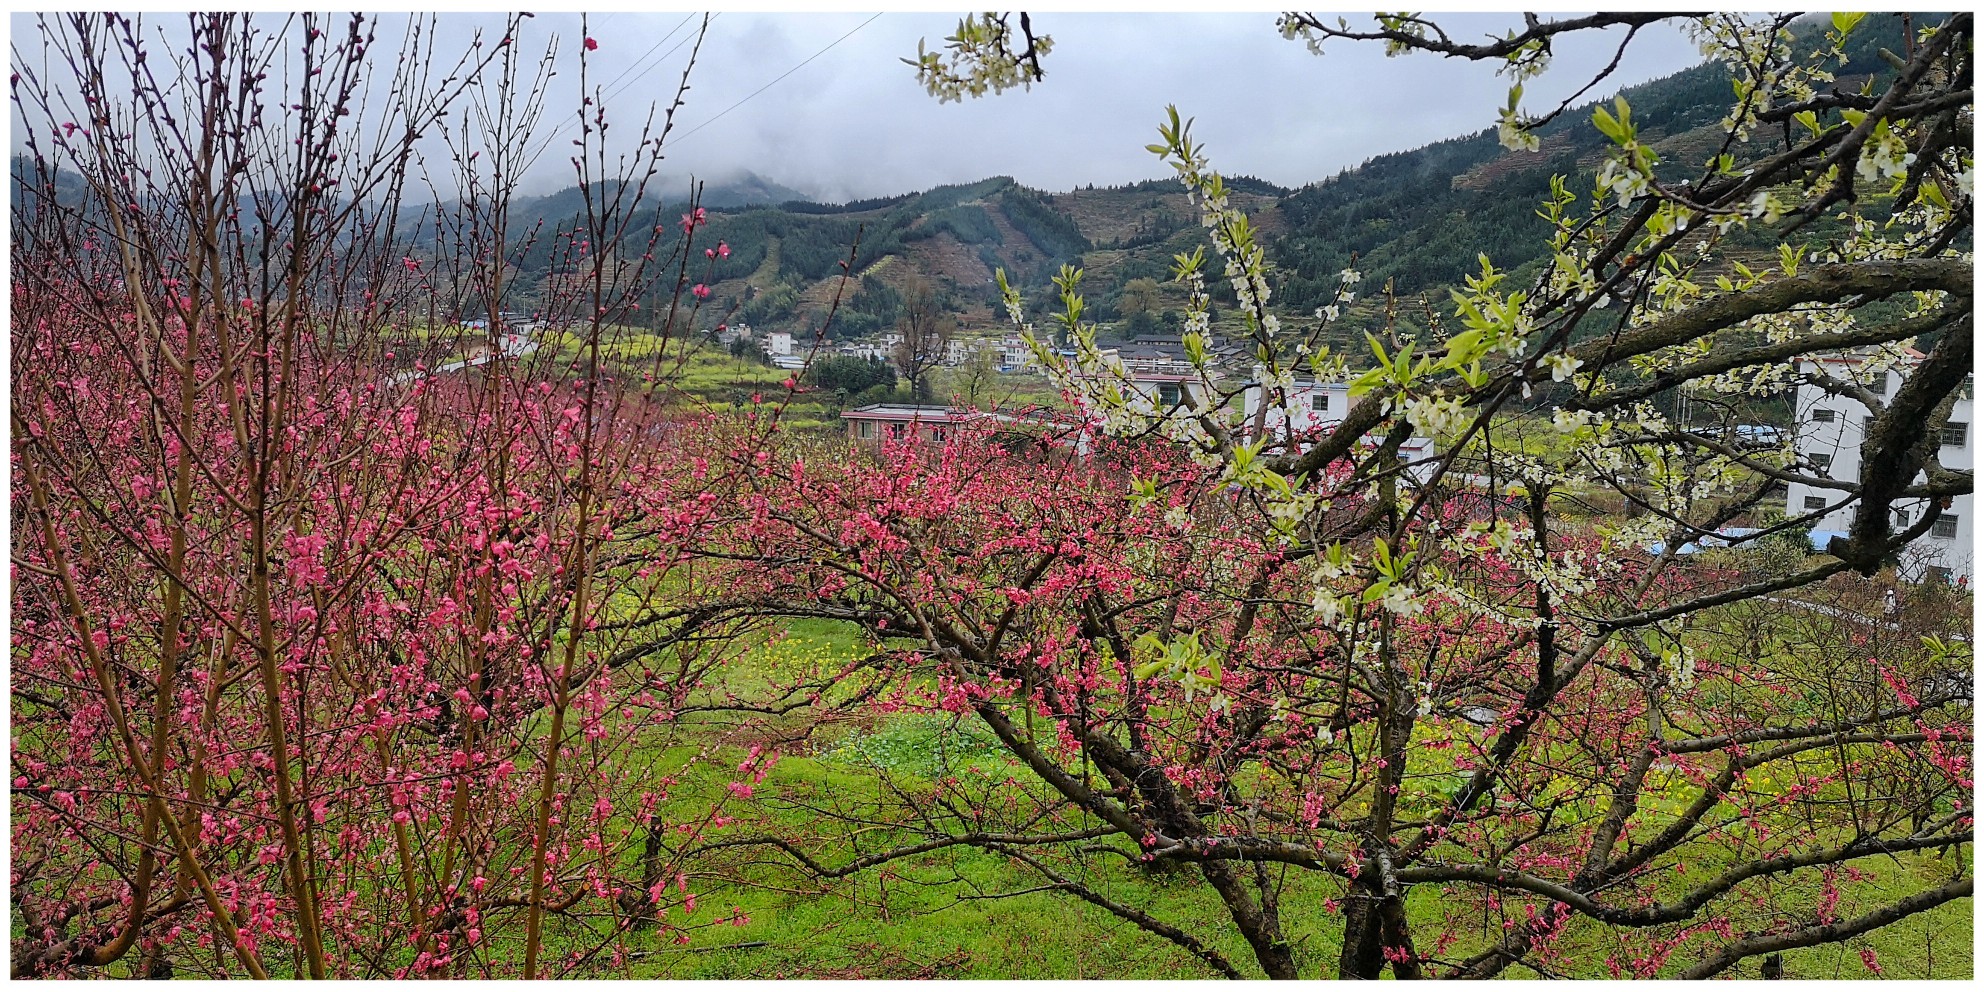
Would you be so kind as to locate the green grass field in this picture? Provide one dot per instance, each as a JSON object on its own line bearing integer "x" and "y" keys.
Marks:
{"x": 966, "y": 913}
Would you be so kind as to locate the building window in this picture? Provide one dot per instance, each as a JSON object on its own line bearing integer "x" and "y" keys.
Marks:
{"x": 1319, "y": 402}
{"x": 1945, "y": 526}
{"x": 1900, "y": 517}
{"x": 1955, "y": 435}
{"x": 867, "y": 428}
{"x": 1815, "y": 502}
{"x": 1168, "y": 395}
{"x": 1942, "y": 574}
{"x": 1822, "y": 415}
{"x": 1822, "y": 462}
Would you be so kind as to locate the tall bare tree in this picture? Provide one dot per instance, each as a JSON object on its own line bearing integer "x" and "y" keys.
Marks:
{"x": 926, "y": 328}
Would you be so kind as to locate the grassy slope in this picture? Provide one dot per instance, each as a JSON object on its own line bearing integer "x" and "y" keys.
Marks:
{"x": 930, "y": 917}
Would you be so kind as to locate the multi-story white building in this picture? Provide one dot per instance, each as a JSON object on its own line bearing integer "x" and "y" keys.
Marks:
{"x": 1153, "y": 394}
{"x": 1830, "y": 428}
{"x": 1317, "y": 406}
{"x": 1014, "y": 352}
{"x": 1311, "y": 405}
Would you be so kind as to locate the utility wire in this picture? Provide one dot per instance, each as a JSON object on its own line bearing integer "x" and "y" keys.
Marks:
{"x": 720, "y": 114}
{"x": 636, "y": 64}
{"x": 644, "y": 56}
{"x": 775, "y": 82}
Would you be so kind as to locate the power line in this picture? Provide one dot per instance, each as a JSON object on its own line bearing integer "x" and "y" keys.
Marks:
{"x": 636, "y": 64}
{"x": 719, "y": 116}
{"x": 775, "y": 82}
{"x": 644, "y": 55}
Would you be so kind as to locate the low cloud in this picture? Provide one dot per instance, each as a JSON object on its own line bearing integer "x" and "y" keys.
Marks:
{"x": 852, "y": 122}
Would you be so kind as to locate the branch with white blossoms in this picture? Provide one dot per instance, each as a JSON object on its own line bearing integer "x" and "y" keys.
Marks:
{"x": 980, "y": 57}
{"x": 1103, "y": 387}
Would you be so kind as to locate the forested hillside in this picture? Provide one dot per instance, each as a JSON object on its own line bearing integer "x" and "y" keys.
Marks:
{"x": 1416, "y": 220}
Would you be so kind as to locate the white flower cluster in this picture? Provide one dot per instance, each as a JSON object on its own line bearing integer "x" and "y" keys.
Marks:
{"x": 1622, "y": 180}
{"x": 1561, "y": 365}
{"x": 1434, "y": 416}
{"x": 1759, "y": 58}
{"x": 980, "y": 60}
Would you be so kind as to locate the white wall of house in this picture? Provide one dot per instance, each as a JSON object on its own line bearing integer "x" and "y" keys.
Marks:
{"x": 1162, "y": 396}
{"x": 1014, "y": 353}
{"x": 1310, "y": 405}
{"x": 1322, "y": 405}
{"x": 1829, "y": 431}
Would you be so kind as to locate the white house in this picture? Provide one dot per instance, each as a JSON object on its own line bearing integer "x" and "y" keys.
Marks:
{"x": 865, "y": 350}
{"x": 1311, "y": 405}
{"x": 1829, "y": 431}
{"x": 778, "y": 344}
{"x": 1160, "y": 394}
{"x": 1014, "y": 352}
{"x": 1319, "y": 406}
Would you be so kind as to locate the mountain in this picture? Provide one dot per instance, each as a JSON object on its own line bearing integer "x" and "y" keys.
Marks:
{"x": 735, "y": 192}
{"x": 739, "y": 189}
{"x": 1418, "y": 219}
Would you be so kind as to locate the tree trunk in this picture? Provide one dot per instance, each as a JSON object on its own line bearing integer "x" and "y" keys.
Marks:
{"x": 1276, "y": 958}
{"x": 1363, "y": 955}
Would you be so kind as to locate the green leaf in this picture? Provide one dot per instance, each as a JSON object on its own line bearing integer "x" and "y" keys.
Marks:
{"x": 1843, "y": 23}
{"x": 1608, "y": 125}
{"x": 1464, "y": 347}
{"x": 1368, "y": 381}
{"x": 1378, "y": 349}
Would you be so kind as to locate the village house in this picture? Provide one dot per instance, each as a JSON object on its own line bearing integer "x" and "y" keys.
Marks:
{"x": 1830, "y": 425}
{"x": 1313, "y": 407}
{"x": 729, "y": 334}
{"x": 878, "y": 422}
{"x": 1014, "y": 353}
{"x": 864, "y": 350}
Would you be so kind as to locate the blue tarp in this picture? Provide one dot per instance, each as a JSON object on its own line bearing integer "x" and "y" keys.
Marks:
{"x": 1721, "y": 539}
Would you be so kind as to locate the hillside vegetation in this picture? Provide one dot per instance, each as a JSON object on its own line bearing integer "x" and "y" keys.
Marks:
{"x": 1416, "y": 221}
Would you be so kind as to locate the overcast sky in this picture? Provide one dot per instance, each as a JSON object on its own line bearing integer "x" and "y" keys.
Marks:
{"x": 854, "y": 123}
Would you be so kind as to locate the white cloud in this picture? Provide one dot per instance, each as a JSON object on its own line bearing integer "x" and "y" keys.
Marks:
{"x": 853, "y": 122}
